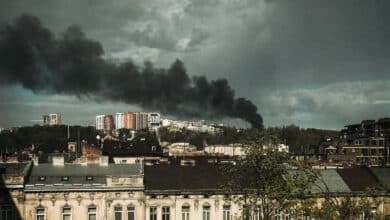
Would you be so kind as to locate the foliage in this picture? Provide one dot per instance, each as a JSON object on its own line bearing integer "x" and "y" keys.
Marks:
{"x": 269, "y": 179}
{"x": 299, "y": 140}
{"x": 44, "y": 138}
{"x": 350, "y": 206}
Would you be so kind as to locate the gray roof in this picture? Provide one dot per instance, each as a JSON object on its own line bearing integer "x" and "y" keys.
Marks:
{"x": 83, "y": 170}
{"x": 15, "y": 168}
{"x": 77, "y": 175}
{"x": 330, "y": 181}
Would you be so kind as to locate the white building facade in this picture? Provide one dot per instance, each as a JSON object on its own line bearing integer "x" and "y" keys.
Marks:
{"x": 119, "y": 120}
{"x": 99, "y": 124}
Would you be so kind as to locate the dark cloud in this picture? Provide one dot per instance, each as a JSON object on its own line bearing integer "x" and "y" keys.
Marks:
{"x": 71, "y": 64}
{"x": 261, "y": 46}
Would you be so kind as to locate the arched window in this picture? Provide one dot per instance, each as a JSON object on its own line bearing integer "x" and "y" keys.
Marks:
{"x": 185, "y": 212}
{"x": 118, "y": 212}
{"x": 92, "y": 212}
{"x": 66, "y": 213}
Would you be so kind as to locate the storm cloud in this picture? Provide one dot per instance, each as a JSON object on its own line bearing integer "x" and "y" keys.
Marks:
{"x": 72, "y": 64}
{"x": 266, "y": 49}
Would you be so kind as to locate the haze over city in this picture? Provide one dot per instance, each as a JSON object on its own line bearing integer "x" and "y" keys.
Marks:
{"x": 312, "y": 63}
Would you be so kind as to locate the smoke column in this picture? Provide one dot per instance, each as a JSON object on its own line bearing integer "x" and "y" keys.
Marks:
{"x": 71, "y": 64}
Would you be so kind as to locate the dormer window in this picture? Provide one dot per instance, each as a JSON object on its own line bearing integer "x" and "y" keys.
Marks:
{"x": 42, "y": 178}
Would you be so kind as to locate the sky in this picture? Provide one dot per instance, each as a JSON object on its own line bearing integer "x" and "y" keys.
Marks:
{"x": 313, "y": 63}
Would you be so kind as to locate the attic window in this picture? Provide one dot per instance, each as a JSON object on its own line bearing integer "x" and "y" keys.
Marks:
{"x": 64, "y": 178}
{"x": 89, "y": 178}
{"x": 42, "y": 178}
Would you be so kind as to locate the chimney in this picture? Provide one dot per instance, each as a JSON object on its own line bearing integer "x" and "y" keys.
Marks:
{"x": 35, "y": 160}
{"x": 103, "y": 161}
{"x": 58, "y": 161}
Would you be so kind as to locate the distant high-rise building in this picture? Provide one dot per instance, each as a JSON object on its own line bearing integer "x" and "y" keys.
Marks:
{"x": 141, "y": 120}
{"x": 153, "y": 120}
{"x": 119, "y": 120}
{"x": 129, "y": 120}
{"x": 109, "y": 124}
{"x": 52, "y": 119}
{"x": 99, "y": 122}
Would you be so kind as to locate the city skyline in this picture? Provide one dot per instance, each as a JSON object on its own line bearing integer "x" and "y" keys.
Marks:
{"x": 311, "y": 63}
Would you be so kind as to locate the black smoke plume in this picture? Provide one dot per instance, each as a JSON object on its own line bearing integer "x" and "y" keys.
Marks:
{"x": 70, "y": 63}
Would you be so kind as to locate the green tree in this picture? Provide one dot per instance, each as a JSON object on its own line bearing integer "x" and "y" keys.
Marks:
{"x": 267, "y": 181}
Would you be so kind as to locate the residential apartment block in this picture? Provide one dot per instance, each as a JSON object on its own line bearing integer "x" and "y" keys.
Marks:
{"x": 52, "y": 119}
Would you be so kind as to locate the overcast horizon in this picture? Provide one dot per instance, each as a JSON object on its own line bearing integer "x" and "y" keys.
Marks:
{"x": 312, "y": 63}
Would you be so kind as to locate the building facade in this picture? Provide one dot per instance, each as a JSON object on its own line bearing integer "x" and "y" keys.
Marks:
{"x": 141, "y": 120}
{"x": 153, "y": 120}
{"x": 52, "y": 119}
{"x": 119, "y": 120}
{"x": 99, "y": 125}
{"x": 129, "y": 120}
{"x": 109, "y": 123}
{"x": 160, "y": 192}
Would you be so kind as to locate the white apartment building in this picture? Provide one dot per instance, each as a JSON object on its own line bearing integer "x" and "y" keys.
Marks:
{"x": 153, "y": 120}
{"x": 52, "y": 119}
{"x": 229, "y": 150}
{"x": 99, "y": 122}
{"x": 119, "y": 120}
{"x": 141, "y": 120}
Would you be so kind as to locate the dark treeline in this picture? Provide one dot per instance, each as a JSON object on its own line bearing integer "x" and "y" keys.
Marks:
{"x": 299, "y": 140}
{"x": 44, "y": 138}
{"x": 54, "y": 138}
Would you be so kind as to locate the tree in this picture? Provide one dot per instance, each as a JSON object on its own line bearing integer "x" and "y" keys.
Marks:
{"x": 349, "y": 206}
{"x": 267, "y": 182}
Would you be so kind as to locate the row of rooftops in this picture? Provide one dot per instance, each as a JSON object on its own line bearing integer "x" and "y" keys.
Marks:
{"x": 166, "y": 178}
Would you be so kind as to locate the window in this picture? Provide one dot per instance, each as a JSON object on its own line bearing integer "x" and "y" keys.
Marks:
{"x": 165, "y": 213}
{"x": 40, "y": 214}
{"x": 64, "y": 178}
{"x": 153, "y": 213}
{"x": 6, "y": 212}
{"x": 226, "y": 212}
{"x": 130, "y": 213}
{"x": 118, "y": 213}
{"x": 287, "y": 216}
{"x": 185, "y": 212}
{"x": 89, "y": 178}
{"x": 278, "y": 215}
{"x": 41, "y": 178}
{"x": 66, "y": 213}
{"x": 206, "y": 212}
{"x": 92, "y": 214}
{"x": 256, "y": 214}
